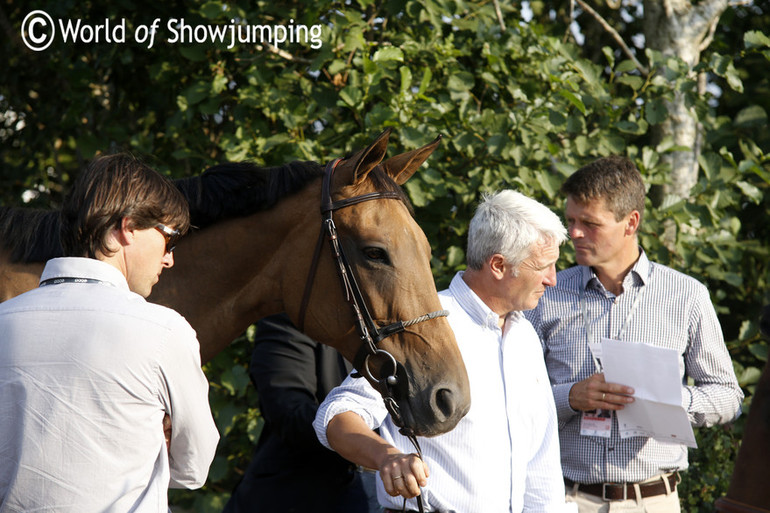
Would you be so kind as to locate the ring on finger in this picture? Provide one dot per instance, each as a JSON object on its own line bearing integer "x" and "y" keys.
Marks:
{"x": 603, "y": 395}
{"x": 397, "y": 477}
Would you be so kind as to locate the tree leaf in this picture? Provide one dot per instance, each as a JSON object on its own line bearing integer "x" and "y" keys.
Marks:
{"x": 749, "y": 376}
{"x": 351, "y": 96}
{"x": 753, "y": 192}
{"x": 755, "y": 39}
{"x": 416, "y": 193}
{"x": 455, "y": 256}
{"x": 656, "y": 111}
{"x": 212, "y": 10}
{"x": 196, "y": 92}
{"x": 574, "y": 100}
{"x": 711, "y": 164}
{"x": 751, "y": 117}
{"x": 632, "y": 81}
{"x": 193, "y": 52}
{"x": 625, "y": 66}
{"x": 388, "y": 53}
{"x": 406, "y": 78}
{"x": 760, "y": 351}
{"x": 235, "y": 380}
{"x": 461, "y": 81}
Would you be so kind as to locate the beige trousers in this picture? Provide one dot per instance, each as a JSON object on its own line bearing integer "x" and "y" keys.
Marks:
{"x": 587, "y": 503}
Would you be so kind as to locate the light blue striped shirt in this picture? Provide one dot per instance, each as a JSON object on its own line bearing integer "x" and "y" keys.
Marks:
{"x": 661, "y": 307}
{"x": 504, "y": 454}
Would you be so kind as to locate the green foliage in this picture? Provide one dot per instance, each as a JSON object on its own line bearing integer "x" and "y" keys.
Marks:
{"x": 711, "y": 466}
{"x": 517, "y": 108}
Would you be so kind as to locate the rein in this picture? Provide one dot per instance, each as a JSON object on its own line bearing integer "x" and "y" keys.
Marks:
{"x": 396, "y": 383}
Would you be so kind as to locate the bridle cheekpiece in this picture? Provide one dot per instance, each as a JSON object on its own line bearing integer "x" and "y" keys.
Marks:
{"x": 390, "y": 385}
{"x": 369, "y": 332}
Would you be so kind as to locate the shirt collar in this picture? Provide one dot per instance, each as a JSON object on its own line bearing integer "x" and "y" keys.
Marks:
{"x": 78, "y": 267}
{"x": 640, "y": 272}
{"x": 478, "y": 311}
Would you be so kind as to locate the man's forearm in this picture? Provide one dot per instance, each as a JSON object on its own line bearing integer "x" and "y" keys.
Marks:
{"x": 352, "y": 438}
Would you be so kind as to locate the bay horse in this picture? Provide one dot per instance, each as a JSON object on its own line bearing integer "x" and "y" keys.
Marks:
{"x": 749, "y": 491}
{"x": 252, "y": 255}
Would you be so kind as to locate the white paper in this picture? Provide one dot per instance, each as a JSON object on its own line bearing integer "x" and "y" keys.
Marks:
{"x": 653, "y": 373}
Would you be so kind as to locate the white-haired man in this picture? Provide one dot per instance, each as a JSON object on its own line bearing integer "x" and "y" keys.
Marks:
{"x": 504, "y": 454}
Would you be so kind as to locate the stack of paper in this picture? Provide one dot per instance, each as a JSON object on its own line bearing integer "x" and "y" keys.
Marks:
{"x": 653, "y": 373}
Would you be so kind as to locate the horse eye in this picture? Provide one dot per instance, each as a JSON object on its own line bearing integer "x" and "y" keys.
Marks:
{"x": 377, "y": 254}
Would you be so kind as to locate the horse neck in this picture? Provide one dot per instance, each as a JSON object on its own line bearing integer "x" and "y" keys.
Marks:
{"x": 229, "y": 275}
{"x": 16, "y": 279}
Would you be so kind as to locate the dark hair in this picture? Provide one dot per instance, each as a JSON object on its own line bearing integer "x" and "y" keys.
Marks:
{"x": 615, "y": 179}
{"x": 111, "y": 188}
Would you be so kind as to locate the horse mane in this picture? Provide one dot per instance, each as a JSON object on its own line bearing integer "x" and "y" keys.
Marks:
{"x": 223, "y": 191}
{"x": 237, "y": 189}
{"x": 30, "y": 235}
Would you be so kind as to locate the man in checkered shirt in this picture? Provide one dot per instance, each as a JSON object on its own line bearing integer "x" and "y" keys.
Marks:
{"x": 617, "y": 292}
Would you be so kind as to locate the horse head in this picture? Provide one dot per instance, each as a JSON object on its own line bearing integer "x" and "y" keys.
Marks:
{"x": 388, "y": 260}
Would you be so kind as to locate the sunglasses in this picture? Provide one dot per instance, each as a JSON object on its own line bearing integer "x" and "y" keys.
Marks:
{"x": 171, "y": 236}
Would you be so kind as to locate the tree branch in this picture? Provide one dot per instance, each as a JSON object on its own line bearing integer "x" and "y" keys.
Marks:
{"x": 499, "y": 14}
{"x": 571, "y": 18}
{"x": 708, "y": 38}
{"x": 283, "y": 53}
{"x": 615, "y": 36}
{"x": 710, "y": 11}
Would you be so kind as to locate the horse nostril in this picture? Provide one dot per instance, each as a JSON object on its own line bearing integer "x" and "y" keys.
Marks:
{"x": 445, "y": 402}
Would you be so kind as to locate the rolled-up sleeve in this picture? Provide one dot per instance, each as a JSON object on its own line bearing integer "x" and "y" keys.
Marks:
{"x": 354, "y": 395}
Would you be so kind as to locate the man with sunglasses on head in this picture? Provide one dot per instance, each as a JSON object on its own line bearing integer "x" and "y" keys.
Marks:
{"x": 93, "y": 377}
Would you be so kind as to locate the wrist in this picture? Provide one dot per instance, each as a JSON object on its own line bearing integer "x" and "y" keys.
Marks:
{"x": 562, "y": 397}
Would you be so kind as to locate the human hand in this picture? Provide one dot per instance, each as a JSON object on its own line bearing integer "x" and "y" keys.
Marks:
{"x": 167, "y": 431}
{"x": 594, "y": 393}
{"x": 404, "y": 474}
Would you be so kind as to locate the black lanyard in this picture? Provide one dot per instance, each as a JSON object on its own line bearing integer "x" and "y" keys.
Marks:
{"x": 59, "y": 281}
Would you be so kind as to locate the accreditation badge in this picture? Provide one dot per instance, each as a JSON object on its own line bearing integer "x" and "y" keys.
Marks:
{"x": 596, "y": 423}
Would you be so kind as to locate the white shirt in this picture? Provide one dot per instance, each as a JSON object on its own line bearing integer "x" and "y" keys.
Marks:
{"x": 504, "y": 454}
{"x": 87, "y": 372}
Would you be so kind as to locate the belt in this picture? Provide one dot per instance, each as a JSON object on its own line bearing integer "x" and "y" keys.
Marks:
{"x": 389, "y": 510}
{"x": 625, "y": 491}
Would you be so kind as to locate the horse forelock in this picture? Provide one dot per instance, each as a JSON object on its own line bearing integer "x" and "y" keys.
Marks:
{"x": 239, "y": 189}
{"x": 30, "y": 235}
{"x": 381, "y": 181}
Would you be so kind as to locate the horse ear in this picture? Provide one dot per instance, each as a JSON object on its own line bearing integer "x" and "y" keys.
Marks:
{"x": 364, "y": 161}
{"x": 402, "y": 167}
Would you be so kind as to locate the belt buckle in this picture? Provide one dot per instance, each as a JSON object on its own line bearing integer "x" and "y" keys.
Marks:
{"x": 604, "y": 492}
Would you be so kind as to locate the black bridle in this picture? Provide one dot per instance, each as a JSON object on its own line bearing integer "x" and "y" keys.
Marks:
{"x": 390, "y": 385}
